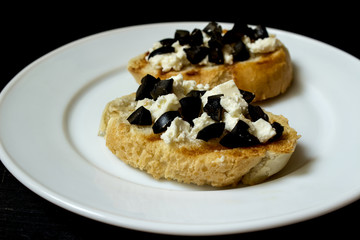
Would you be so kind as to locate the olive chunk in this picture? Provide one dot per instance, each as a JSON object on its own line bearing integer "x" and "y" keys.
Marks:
{"x": 196, "y": 54}
{"x": 164, "y": 121}
{"x": 190, "y": 108}
{"x": 214, "y": 130}
{"x": 240, "y": 52}
{"x": 147, "y": 84}
{"x": 161, "y": 50}
{"x": 239, "y": 137}
{"x": 279, "y": 129}
{"x": 260, "y": 32}
{"x": 232, "y": 140}
{"x": 162, "y": 87}
{"x": 167, "y": 41}
{"x": 248, "y": 96}
{"x": 196, "y": 37}
{"x": 183, "y": 36}
{"x": 140, "y": 116}
{"x": 213, "y": 107}
{"x": 196, "y": 93}
{"x": 256, "y": 113}
{"x": 213, "y": 28}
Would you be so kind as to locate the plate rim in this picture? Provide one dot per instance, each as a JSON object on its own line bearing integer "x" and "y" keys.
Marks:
{"x": 68, "y": 204}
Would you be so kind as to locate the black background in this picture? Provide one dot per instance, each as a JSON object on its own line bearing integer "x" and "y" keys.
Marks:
{"x": 30, "y": 31}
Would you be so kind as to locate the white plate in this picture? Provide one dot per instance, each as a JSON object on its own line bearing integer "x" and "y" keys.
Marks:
{"x": 49, "y": 117}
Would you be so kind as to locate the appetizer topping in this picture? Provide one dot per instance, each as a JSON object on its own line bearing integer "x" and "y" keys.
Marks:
{"x": 213, "y": 107}
{"x": 214, "y": 130}
{"x": 211, "y": 46}
{"x": 183, "y": 111}
{"x": 190, "y": 108}
{"x": 141, "y": 116}
{"x": 162, "y": 88}
{"x": 164, "y": 121}
{"x": 239, "y": 137}
{"x": 147, "y": 84}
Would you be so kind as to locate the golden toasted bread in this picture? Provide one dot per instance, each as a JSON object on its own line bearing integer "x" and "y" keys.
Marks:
{"x": 197, "y": 162}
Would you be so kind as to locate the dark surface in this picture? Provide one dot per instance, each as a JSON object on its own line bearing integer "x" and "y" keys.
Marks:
{"x": 27, "y": 34}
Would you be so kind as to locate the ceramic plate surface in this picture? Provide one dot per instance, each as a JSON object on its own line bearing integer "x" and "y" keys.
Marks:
{"x": 50, "y": 113}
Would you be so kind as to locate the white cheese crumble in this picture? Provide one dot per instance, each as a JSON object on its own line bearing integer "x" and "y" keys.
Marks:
{"x": 262, "y": 130}
{"x": 235, "y": 109}
{"x": 164, "y": 103}
{"x": 265, "y": 45}
{"x": 177, "y": 60}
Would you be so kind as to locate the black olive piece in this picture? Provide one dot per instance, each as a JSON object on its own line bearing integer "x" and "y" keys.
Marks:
{"x": 164, "y": 121}
{"x": 279, "y": 129}
{"x": 260, "y": 32}
{"x": 232, "y": 36}
{"x": 196, "y": 37}
{"x": 196, "y": 93}
{"x": 213, "y": 107}
{"x": 240, "y": 127}
{"x": 214, "y": 130}
{"x": 243, "y": 29}
{"x": 161, "y": 50}
{"x": 167, "y": 41}
{"x": 213, "y": 28}
{"x": 140, "y": 116}
{"x": 239, "y": 137}
{"x": 183, "y": 36}
{"x": 216, "y": 41}
{"x": 190, "y": 108}
{"x": 245, "y": 139}
{"x": 240, "y": 52}
{"x": 216, "y": 56}
{"x": 147, "y": 84}
{"x": 256, "y": 113}
{"x": 196, "y": 53}
{"x": 163, "y": 87}
{"x": 248, "y": 96}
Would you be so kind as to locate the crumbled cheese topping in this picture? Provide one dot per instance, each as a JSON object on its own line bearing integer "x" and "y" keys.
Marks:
{"x": 177, "y": 60}
{"x": 265, "y": 45}
{"x": 233, "y": 103}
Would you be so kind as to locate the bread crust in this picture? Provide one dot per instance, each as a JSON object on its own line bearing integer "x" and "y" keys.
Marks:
{"x": 267, "y": 75}
{"x": 197, "y": 162}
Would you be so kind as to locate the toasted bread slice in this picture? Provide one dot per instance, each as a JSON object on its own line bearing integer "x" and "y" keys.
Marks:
{"x": 266, "y": 75}
{"x": 196, "y": 162}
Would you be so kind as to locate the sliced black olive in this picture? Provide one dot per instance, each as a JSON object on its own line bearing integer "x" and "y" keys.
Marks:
{"x": 161, "y": 50}
{"x": 232, "y": 36}
{"x": 240, "y": 52}
{"x": 260, "y": 32}
{"x": 216, "y": 56}
{"x": 248, "y": 96}
{"x": 164, "y": 121}
{"x": 196, "y": 93}
{"x": 140, "y": 116}
{"x": 243, "y": 29}
{"x": 213, "y": 28}
{"x": 196, "y": 53}
{"x": 256, "y": 113}
{"x": 279, "y": 129}
{"x": 190, "y": 108}
{"x": 163, "y": 87}
{"x": 196, "y": 37}
{"x": 239, "y": 137}
{"x": 147, "y": 84}
{"x": 183, "y": 36}
{"x": 240, "y": 127}
{"x": 213, "y": 107}
{"x": 214, "y": 130}
{"x": 232, "y": 140}
{"x": 167, "y": 41}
